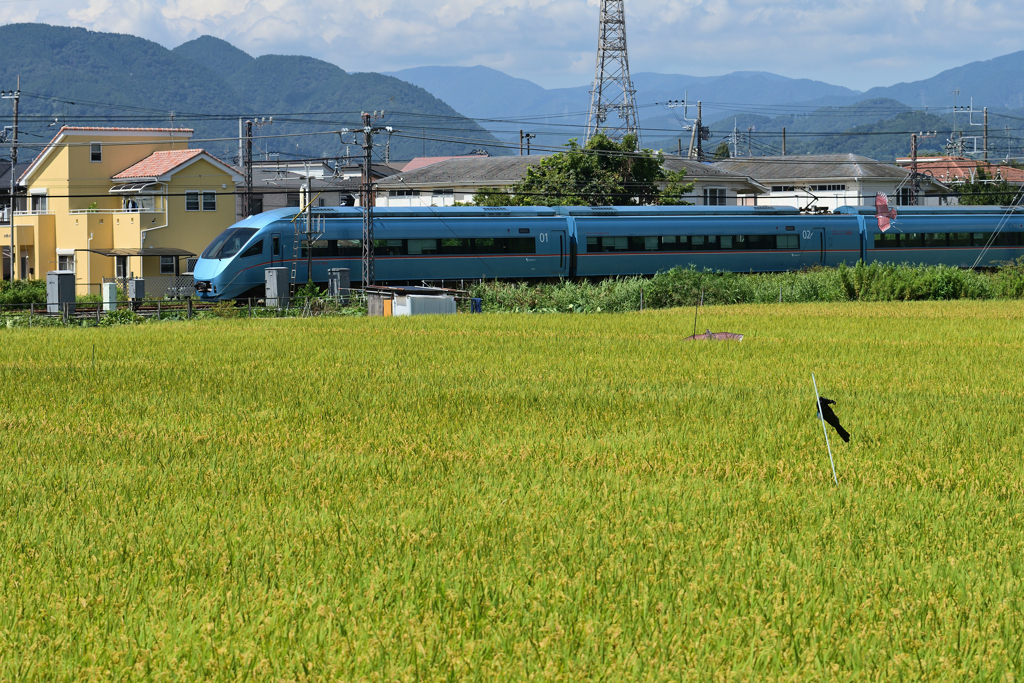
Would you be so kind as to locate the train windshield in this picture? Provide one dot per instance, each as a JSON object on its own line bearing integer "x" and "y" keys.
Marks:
{"x": 228, "y": 243}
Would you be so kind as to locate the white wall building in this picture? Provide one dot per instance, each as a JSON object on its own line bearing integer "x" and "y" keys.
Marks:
{"x": 824, "y": 182}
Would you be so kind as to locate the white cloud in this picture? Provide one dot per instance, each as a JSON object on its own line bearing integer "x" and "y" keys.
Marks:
{"x": 856, "y": 43}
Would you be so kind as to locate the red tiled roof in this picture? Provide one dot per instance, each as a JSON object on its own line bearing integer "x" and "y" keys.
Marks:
{"x": 158, "y": 163}
{"x": 946, "y": 169}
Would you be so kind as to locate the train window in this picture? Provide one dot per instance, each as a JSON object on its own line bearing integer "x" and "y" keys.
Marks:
{"x": 454, "y": 245}
{"x": 726, "y": 241}
{"x": 381, "y": 247}
{"x": 758, "y": 242}
{"x": 276, "y": 242}
{"x": 671, "y": 239}
{"x": 979, "y": 239}
{"x": 643, "y": 243}
{"x": 355, "y": 247}
{"x": 592, "y": 244}
{"x": 886, "y": 241}
{"x": 697, "y": 241}
{"x": 522, "y": 245}
{"x": 1007, "y": 239}
{"x": 422, "y": 246}
{"x": 911, "y": 239}
{"x": 254, "y": 250}
{"x": 790, "y": 242}
{"x": 228, "y": 243}
{"x": 959, "y": 239}
{"x": 936, "y": 239}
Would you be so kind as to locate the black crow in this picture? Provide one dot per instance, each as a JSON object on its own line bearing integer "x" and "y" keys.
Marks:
{"x": 825, "y": 406}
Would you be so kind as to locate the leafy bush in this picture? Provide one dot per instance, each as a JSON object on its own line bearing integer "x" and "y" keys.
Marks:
{"x": 23, "y": 292}
{"x": 121, "y": 316}
{"x": 687, "y": 286}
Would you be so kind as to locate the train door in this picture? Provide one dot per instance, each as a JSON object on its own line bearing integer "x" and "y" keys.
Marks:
{"x": 275, "y": 248}
{"x": 813, "y": 246}
{"x": 560, "y": 241}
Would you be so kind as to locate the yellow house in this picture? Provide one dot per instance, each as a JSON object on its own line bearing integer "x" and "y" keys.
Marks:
{"x": 121, "y": 202}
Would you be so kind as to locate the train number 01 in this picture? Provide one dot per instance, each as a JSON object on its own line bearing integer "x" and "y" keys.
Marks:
{"x": 543, "y": 237}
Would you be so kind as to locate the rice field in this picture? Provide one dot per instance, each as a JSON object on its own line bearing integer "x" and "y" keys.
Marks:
{"x": 510, "y": 497}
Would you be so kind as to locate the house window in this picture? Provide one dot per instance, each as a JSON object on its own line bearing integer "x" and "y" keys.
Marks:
{"x": 168, "y": 265}
{"x": 828, "y": 188}
{"x": 444, "y": 193}
{"x": 191, "y": 201}
{"x": 402, "y": 193}
{"x": 95, "y": 151}
{"x": 905, "y": 197}
{"x": 66, "y": 262}
{"x": 209, "y": 201}
{"x": 293, "y": 199}
{"x": 39, "y": 203}
{"x": 256, "y": 204}
{"x": 714, "y": 196}
{"x": 121, "y": 266}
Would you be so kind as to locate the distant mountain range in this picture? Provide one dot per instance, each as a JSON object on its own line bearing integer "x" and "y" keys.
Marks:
{"x": 763, "y": 100}
{"x": 79, "y": 77}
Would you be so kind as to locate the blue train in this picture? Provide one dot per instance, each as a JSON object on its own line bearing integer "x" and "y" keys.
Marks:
{"x": 528, "y": 243}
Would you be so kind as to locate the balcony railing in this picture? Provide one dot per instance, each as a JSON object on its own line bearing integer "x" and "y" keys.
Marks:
{"x": 37, "y": 212}
{"x": 135, "y": 210}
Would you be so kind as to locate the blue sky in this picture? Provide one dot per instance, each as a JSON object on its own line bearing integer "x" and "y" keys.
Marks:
{"x": 855, "y": 43}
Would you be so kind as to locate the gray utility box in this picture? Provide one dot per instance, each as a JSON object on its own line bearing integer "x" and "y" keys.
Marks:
{"x": 277, "y": 281}
{"x": 109, "y": 296}
{"x": 60, "y": 291}
{"x": 338, "y": 283}
{"x": 137, "y": 289}
{"x": 417, "y": 304}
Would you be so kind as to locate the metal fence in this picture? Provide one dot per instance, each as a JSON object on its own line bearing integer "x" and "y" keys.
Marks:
{"x": 158, "y": 286}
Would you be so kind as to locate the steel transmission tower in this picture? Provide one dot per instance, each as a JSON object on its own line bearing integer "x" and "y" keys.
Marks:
{"x": 613, "y": 91}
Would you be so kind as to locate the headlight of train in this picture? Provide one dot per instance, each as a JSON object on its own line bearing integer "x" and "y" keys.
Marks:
{"x": 203, "y": 286}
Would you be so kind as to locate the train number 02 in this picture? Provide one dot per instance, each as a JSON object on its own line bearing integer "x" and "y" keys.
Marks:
{"x": 543, "y": 237}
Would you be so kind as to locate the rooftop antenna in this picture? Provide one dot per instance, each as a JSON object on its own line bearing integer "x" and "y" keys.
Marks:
{"x": 613, "y": 90}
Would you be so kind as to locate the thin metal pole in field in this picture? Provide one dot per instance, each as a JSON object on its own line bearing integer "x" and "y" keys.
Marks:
{"x": 824, "y": 431}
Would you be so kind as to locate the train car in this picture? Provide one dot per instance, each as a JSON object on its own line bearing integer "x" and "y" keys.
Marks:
{"x": 410, "y": 245}
{"x": 645, "y": 240}
{"x": 534, "y": 243}
{"x": 960, "y": 236}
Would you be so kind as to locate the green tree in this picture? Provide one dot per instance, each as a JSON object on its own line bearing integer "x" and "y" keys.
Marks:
{"x": 986, "y": 191}
{"x": 721, "y": 152}
{"x": 601, "y": 173}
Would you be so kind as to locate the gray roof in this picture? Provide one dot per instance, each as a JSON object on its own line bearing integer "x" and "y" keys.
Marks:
{"x": 474, "y": 171}
{"x": 503, "y": 171}
{"x": 812, "y": 167}
{"x": 698, "y": 170}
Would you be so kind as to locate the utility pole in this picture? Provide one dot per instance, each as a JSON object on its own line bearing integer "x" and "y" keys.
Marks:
{"x": 985, "y": 144}
{"x": 750, "y": 134}
{"x": 915, "y": 178}
{"x": 16, "y": 96}
{"x": 528, "y": 137}
{"x": 702, "y": 132}
{"x": 247, "y": 170}
{"x": 366, "y": 197}
{"x": 783, "y": 141}
{"x": 613, "y": 89}
{"x": 735, "y": 139}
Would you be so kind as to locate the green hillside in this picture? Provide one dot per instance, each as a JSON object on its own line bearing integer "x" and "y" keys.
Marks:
{"x": 78, "y": 77}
